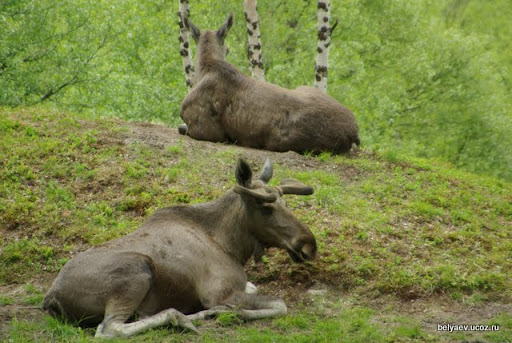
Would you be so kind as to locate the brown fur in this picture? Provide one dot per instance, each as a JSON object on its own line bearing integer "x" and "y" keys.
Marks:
{"x": 183, "y": 258}
{"x": 227, "y": 106}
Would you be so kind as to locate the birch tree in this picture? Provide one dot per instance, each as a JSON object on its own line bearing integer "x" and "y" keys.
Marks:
{"x": 184, "y": 38}
{"x": 324, "y": 40}
{"x": 254, "y": 42}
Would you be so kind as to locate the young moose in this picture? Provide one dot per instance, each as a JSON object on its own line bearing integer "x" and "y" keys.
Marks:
{"x": 184, "y": 262}
{"x": 224, "y": 105}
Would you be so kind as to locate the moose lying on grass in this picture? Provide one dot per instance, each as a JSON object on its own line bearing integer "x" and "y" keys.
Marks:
{"x": 224, "y": 105}
{"x": 184, "y": 263}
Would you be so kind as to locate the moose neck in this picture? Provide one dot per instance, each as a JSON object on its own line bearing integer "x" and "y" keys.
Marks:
{"x": 208, "y": 50}
{"x": 226, "y": 220}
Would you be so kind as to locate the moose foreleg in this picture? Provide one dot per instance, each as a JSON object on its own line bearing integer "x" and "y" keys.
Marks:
{"x": 247, "y": 306}
{"x": 253, "y": 306}
{"x": 120, "y": 329}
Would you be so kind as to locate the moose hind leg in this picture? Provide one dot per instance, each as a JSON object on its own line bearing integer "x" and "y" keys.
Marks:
{"x": 128, "y": 294}
{"x": 118, "y": 328}
{"x": 129, "y": 283}
{"x": 124, "y": 305}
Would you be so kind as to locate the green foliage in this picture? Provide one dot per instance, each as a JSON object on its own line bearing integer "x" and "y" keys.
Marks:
{"x": 46, "y": 49}
{"x": 34, "y": 295}
{"x": 504, "y": 320}
{"x": 429, "y": 90}
{"x": 25, "y": 252}
{"x": 228, "y": 319}
{"x": 5, "y": 300}
{"x": 425, "y": 78}
{"x": 52, "y": 329}
{"x": 91, "y": 55}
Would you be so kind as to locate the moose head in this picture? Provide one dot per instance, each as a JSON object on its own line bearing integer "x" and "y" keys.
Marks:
{"x": 273, "y": 224}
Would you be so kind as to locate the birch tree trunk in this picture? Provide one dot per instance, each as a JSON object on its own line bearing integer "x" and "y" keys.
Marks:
{"x": 254, "y": 42}
{"x": 184, "y": 38}
{"x": 324, "y": 40}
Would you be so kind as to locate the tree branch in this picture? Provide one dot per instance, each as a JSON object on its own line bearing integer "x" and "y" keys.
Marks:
{"x": 75, "y": 79}
{"x": 54, "y": 91}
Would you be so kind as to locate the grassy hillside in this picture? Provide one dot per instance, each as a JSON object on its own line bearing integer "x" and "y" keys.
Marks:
{"x": 403, "y": 243}
{"x": 427, "y": 78}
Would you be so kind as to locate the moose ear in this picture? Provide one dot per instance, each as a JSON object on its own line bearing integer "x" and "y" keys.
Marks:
{"x": 290, "y": 186}
{"x": 243, "y": 173}
{"x": 267, "y": 171}
{"x": 192, "y": 28}
{"x": 224, "y": 29}
{"x": 256, "y": 194}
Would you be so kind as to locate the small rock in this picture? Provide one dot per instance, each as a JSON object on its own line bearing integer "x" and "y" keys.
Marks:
{"x": 318, "y": 289}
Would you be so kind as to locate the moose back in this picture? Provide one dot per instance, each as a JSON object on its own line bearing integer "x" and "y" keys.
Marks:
{"x": 225, "y": 105}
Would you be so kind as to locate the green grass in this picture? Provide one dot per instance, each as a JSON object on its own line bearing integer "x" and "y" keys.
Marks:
{"x": 342, "y": 324}
{"x": 386, "y": 225}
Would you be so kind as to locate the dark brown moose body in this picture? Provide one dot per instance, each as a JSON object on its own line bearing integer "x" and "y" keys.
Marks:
{"x": 225, "y": 105}
{"x": 184, "y": 262}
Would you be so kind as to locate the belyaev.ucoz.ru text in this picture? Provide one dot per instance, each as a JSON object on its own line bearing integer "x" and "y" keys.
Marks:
{"x": 466, "y": 327}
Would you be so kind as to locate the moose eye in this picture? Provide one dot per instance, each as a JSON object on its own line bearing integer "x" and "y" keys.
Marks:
{"x": 267, "y": 210}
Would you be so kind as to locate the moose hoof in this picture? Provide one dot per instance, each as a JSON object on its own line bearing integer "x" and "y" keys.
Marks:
{"x": 183, "y": 129}
{"x": 186, "y": 323}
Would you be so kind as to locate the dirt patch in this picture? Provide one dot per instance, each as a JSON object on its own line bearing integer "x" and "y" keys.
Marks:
{"x": 442, "y": 310}
{"x": 160, "y": 136}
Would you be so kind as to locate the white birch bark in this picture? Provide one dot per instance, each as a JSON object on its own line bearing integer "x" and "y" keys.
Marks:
{"x": 184, "y": 38}
{"x": 324, "y": 40}
{"x": 254, "y": 42}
